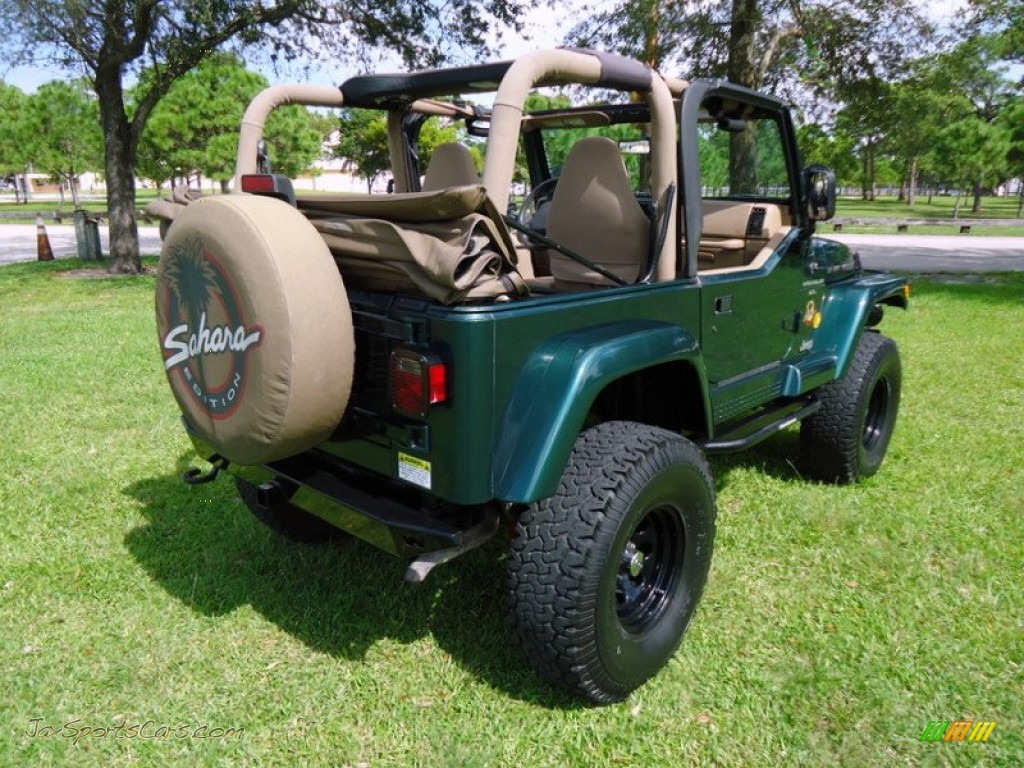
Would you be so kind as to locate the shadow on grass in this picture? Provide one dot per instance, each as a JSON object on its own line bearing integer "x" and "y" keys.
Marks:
{"x": 776, "y": 457}
{"x": 204, "y": 547}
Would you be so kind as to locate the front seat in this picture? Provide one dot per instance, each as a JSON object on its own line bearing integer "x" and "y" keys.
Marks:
{"x": 594, "y": 213}
{"x": 451, "y": 165}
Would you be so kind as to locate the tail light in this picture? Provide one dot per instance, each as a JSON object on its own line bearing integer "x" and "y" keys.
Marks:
{"x": 269, "y": 185}
{"x": 417, "y": 381}
{"x": 258, "y": 183}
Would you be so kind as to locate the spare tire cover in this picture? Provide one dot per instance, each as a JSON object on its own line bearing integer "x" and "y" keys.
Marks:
{"x": 255, "y": 327}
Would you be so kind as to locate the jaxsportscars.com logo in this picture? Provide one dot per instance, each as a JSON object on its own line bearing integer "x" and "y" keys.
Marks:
{"x": 207, "y": 341}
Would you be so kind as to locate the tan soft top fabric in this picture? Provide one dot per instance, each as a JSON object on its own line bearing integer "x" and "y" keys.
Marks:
{"x": 433, "y": 205}
{"x": 450, "y": 245}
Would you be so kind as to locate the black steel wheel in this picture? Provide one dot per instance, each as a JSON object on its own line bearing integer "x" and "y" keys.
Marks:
{"x": 847, "y": 439}
{"x": 293, "y": 523}
{"x": 604, "y": 576}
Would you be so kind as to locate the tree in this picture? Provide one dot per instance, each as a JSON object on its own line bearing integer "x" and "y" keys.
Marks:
{"x": 976, "y": 84}
{"x": 1012, "y": 121}
{"x": 817, "y": 44}
{"x": 972, "y": 149}
{"x": 1005, "y": 20}
{"x": 112, "y": 40}
{"x": 14, "y": 134}
{"x": 834, "y": 149}
{"x": 195, "y": 126}
{"x": 363, "y": 142}
{"x": 64, "y": 138}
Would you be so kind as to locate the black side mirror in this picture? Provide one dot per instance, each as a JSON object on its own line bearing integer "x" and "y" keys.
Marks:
{"x": 820, "y": 183}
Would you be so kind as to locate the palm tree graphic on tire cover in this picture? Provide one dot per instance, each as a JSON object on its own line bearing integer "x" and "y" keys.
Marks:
{"x": 191, "y": 280}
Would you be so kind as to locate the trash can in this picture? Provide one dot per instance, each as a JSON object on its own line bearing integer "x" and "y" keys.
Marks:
{"x": 87, "y": 235}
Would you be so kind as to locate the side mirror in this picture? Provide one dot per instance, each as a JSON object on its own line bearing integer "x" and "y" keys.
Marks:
{"x": 820, "y": 184}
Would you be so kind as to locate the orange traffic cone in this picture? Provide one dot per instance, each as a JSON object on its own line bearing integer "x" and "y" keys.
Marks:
{"x": 43, "y": 249}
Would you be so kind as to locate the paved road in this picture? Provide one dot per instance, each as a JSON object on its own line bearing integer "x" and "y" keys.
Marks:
{"x": 18, "y": 241}
{"x": 937, "y": 253}
{"x": 903, "y": 253}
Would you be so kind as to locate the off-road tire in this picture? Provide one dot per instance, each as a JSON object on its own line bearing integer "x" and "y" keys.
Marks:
{"x": 589, "y": 614}
{"x": 289, "y": 521}
{"x": 848, "y": 437}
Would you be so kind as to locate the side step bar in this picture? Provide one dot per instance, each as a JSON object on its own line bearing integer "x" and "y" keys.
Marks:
{"x": 762, "y": 426}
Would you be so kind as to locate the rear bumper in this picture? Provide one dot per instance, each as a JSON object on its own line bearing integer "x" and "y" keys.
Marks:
{"x": 389, "y": 516}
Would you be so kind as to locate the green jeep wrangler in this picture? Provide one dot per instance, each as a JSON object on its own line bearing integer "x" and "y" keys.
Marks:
{"x": 420, "y": 367}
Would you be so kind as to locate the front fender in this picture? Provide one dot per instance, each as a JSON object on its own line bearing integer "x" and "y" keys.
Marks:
{"x": 850, "y": 302}
{"x": 555, "y": 390}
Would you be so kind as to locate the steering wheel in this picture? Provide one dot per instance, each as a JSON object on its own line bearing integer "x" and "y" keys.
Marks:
{"x": 531, "y": 207}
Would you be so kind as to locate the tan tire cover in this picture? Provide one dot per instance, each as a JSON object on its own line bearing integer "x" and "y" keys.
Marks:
{"x": 255, "y": 327}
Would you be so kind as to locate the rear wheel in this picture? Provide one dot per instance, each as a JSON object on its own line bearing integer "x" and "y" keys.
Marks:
{"x": 293, "y": 523}
{"x": 605, "y": 575}
{"x": 848, "y": 437}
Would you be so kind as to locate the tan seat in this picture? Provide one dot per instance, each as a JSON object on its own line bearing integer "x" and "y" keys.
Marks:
{"x": 451, "y": 165}
{"x": 594, "y": 213}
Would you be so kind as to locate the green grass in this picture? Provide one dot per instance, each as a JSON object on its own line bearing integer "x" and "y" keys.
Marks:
{"x": 938, "y": 208}
{"x": 977, "y": 230}
{"x": 48, "y": 207}
{"x": 837, "y": 622}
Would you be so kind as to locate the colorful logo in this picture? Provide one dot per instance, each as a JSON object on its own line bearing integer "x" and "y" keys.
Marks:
{"x": 959, "y": 730}
{"x": 208, "y": 340}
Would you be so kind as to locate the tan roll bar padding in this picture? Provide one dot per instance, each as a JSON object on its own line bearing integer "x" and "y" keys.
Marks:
{"x": 676, "y": 86}
{"x": 259, "y": 109}
{"x": 552, "y": 67}
{"x": 664, "y": 147}
{"x": 528, "y": 71}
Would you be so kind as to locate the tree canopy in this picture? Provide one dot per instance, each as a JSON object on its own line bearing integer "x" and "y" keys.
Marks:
{"x": 111, "y": 40}
{"x": 195, "y": 126}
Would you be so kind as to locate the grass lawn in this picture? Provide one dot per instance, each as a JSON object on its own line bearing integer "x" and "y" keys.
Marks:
{"x": 938, "y": 208}
{"x": 47, "y": 207}
{"x": 838, "y": 622}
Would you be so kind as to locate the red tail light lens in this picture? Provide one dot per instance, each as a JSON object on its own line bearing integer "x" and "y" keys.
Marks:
{"x": 418, "y": 381}
{"x": 258, "y": 183}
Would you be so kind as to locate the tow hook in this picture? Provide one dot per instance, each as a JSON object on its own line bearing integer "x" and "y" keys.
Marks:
{"x": 196, "y": 476}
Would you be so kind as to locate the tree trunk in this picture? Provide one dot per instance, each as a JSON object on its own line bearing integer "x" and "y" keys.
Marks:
{"x": 912, "y": 183}
{"x": 224, "y": 188}
{"x": 873, "y": 177}
{"x": 976, "y": 206}
{"x": 868, "y": 178}
{"x": 119, "y": 162}
{"x": 742, "y": 42}
{"x": 956, "y": 205}
{"x": 742, "y": 70}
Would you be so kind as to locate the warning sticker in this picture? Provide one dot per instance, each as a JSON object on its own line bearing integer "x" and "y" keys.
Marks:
{"x": 414, "y": 470}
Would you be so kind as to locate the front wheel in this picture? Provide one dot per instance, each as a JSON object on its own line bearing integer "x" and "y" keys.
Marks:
{"x": 847, "y": 438}
{"x": 605, "y": 575}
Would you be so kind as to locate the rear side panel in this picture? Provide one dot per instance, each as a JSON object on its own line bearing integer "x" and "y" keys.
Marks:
{"x": 522, "y": 377}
